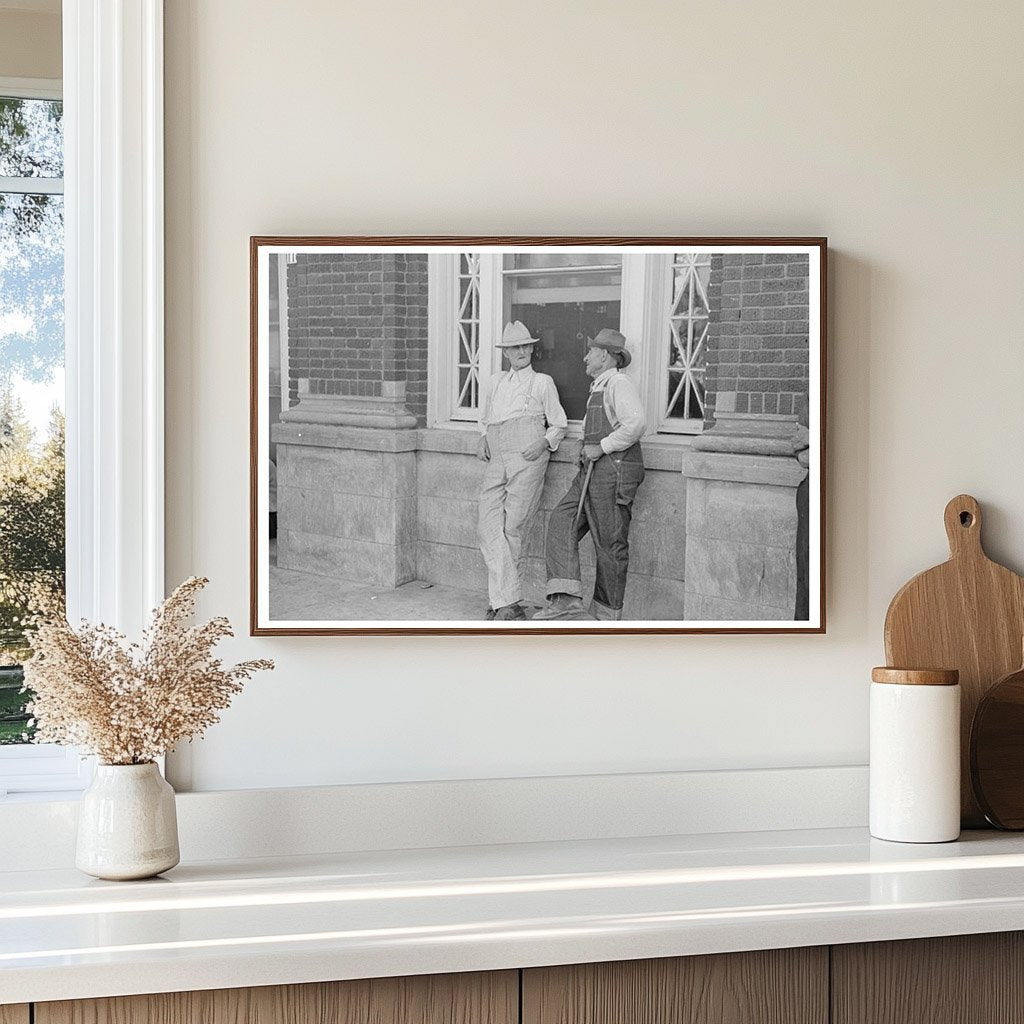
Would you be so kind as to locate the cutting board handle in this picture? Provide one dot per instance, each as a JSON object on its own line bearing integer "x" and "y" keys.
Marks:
{"x": 963, "y": 526}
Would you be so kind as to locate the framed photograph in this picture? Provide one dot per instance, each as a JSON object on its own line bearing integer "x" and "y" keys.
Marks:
{"x": 537, "y": 435}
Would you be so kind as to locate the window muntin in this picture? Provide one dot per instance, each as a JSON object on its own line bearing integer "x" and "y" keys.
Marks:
{"x": 683, "y": 374}
{"x": 467, "y": 320}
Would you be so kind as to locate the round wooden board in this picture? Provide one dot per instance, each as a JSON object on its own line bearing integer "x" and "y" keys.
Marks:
{"x": 997, "y": 752}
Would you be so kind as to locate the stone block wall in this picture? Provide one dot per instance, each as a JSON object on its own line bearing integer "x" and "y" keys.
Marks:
{"x": 384, "y": 508}
{"x": 344, "y": 509}
{"x": 448, "y": 482}
{"x": 758, "y": 356}
{"x": 357, "y": 326}
{"x": 742, "y": 537}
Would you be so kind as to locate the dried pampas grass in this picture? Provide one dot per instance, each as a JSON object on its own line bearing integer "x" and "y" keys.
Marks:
{"x": 130, "y": 703}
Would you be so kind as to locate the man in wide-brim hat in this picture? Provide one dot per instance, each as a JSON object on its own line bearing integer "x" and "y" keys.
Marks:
{"x": 521, "y": 423}
{"x": 600, "y": 499}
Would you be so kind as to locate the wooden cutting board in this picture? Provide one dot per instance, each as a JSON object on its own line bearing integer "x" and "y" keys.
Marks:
{"x": 967, "y": 614}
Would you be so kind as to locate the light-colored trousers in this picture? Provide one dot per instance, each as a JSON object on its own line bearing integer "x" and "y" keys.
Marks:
{"x": 509, "y": 499}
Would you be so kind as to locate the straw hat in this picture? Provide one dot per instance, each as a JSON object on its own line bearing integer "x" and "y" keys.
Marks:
{"x": 516, "y": 334}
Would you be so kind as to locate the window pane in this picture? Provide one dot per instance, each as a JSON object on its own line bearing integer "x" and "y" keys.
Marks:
{"x": 31, "y": 138}
{"x": 467, "y": 395}
{"x": 594, "y": 273}
{"x": 687, "y": 337}
{"x": 31, "y": 430}
{"x": 564, "y": 299}
{"x": 13, "y": 720}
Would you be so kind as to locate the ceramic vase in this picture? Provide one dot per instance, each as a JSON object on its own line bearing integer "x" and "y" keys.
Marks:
{"x": 127, "y": 825}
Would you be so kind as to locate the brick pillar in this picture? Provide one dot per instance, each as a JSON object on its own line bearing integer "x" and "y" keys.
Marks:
{"x": 358, "y": 338}
{"x": 405, "y": 352}
{"x": 758, "y": 356}
{"x": 346, "y": 472}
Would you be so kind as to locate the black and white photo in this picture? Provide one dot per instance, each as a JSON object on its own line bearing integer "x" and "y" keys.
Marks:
{"x": 537, "y": 435}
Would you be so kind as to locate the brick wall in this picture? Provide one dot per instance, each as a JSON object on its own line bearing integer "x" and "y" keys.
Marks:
{"x": 758, "y": 357}
{"x": 356, "y": 321}
{"x": 405, "y": 299}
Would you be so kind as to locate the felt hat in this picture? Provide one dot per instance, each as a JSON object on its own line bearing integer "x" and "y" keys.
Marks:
{"x": 611, "y": 341}
{"x": 516, "y": 334}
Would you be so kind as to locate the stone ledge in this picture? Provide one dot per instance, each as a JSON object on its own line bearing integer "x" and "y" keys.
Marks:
{"x": 753, "y": 434}
{"x": 451, "y": 440}
{"x": 351, "y": 410}
{"x": 752, "y": 469}
{"x": 323, "y": 435}
{"x": 658, "y": 454}
{"x": 661, "y": 455}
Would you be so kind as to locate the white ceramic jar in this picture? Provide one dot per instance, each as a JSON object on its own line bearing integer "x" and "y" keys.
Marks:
{"x": 915, "y": 755}
{"x": 127, "y": 823}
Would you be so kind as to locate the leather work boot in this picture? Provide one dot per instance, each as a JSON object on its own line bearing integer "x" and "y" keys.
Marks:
{"x": 508, "y": 612}
{"x": 563, "y": 606}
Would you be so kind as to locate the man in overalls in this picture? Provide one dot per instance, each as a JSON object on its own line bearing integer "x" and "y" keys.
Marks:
{"x": 611, "y": 471}
{"x": 521, "y": 423}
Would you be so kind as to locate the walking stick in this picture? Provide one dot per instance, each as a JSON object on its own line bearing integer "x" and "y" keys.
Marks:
{"x": 583, "y": 492}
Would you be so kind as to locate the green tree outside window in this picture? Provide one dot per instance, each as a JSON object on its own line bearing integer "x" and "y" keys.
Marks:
{"x": 32, "y": 544}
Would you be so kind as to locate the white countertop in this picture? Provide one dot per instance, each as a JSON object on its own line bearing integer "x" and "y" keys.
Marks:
{"x": 298, "y": 919}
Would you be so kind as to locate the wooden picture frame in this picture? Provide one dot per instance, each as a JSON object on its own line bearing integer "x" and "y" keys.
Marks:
{"x": 374, "y": 358}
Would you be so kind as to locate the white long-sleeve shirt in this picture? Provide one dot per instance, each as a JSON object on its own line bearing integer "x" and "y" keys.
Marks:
{"x": 623, "y": 408}
{"x": 512, "y": 393}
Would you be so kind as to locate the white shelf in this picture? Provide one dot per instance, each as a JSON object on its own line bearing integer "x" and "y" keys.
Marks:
{"x": 352, "y": 915}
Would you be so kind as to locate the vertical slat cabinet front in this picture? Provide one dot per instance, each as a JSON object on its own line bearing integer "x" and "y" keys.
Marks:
{"x": 483, "y": 998}
{"x": 960, "y": 979}
{"x": 777, "y": 986}
{"x": 14, "y": 1014}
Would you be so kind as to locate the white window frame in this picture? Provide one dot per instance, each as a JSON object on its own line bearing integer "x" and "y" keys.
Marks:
{"x": 667, "y": 424}
{"x": 444, "y": 351}
{"x": 38, "y": 767}
{"x": 113, "y": 168}
{"x": 646, "y": 302}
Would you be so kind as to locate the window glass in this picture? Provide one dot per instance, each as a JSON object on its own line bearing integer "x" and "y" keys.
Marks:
{"x": 564, "y": 299}
{"x": 467, "y": 385}
{"x": 31, "y": 387}
{"x": 31, "y": 138}
{"x": 687, "y": 338}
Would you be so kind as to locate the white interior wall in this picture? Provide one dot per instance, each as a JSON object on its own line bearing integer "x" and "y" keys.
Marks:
{"x": 894, "y": 129}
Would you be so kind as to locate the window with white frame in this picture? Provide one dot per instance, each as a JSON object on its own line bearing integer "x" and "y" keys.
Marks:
{"x": 467, "y": 323}
{"x": 682, "y": 377}
{"x": 32, "y": 531}
{"x": 113, "y": 332}
{"x": 32, "y": 436}
{"x": 657, "y": 299}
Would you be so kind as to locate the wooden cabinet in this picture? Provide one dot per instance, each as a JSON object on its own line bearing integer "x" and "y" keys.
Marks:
{"x": 491, "y": 998}
{"x": 962, "y": 979}
{"x": 967, "y": 979}
{"x": 777, "y": 986}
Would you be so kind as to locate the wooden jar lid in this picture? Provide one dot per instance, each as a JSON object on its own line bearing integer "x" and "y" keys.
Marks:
{"x": 916, "y": 676}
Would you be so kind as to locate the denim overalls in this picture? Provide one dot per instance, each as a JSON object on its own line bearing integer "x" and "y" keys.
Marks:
{"x": 607, "y": 510}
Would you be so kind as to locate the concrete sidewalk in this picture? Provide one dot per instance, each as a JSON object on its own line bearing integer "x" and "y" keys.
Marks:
{"x": 300, "y": 596}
